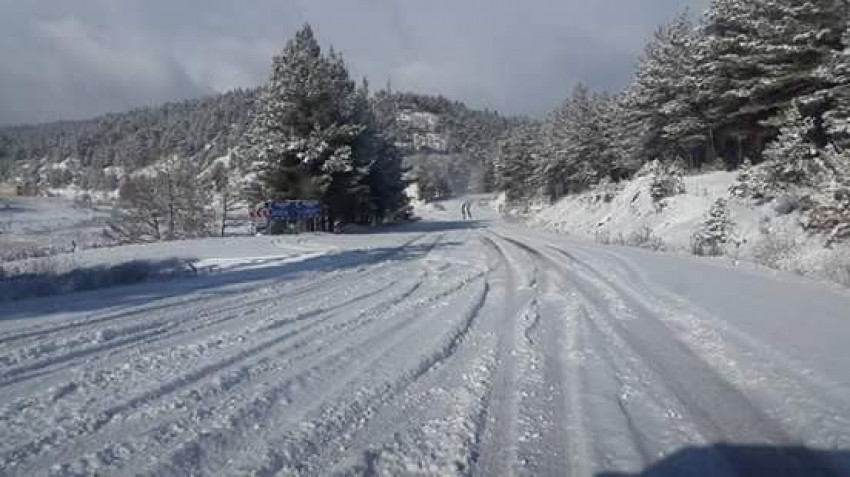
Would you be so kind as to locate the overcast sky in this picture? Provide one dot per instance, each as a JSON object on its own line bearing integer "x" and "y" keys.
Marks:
{"x": 62, "y": 59}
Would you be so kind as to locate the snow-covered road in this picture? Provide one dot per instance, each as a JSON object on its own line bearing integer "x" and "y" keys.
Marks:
{"x": 442, "y": 348}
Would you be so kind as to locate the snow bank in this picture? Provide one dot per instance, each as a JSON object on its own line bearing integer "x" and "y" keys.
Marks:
{"x": 114, "y": 266}
{"x": 762, "y": 233}
{"x": 53, "y": 277}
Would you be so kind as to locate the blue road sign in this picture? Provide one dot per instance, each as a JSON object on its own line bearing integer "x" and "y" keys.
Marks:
{"x": 294, "y": 209}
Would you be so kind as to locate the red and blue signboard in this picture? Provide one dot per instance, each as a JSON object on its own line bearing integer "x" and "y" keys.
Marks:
{"x": 290, "y": 210}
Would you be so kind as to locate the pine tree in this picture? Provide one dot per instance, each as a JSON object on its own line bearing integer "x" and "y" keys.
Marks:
{"x": 758, "y": 57}
{"x": 308, "y": 131}
{"x": 622, "y": 135}
{"x": 575, "y": 143}
{"x": 750, "y": 182}
{"x": 516, "y": 161}
{"x": 829, "y": 208}
{"x": 661, "y": 105}
{"x": 837, "y": 116}
{"x": 666, "y": 179}
{"x": 715, "y": 233}
{"x": 793, "y": 160}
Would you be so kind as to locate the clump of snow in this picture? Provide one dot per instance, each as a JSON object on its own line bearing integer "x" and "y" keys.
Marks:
{"x": 419, "y": 119}
{"x": 768, "y": 233}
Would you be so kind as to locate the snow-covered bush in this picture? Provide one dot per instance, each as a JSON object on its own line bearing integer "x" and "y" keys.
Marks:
{"x": 801, "y": 175}
{"x": 645, "y": 238}
{"x": 750, "y": 182}
{"x": 666, "y": 179}
{"x": 837, "y": 266}
{"x": 778, "y": 248}
{"x": 605, "y": 191}
{"x": 715, "y": 234}
{"x": 829, "y": 213}
{"x": 793, "y": 161}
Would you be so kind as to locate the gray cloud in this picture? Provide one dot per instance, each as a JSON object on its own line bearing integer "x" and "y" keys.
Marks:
{"x": 61, "y": 59}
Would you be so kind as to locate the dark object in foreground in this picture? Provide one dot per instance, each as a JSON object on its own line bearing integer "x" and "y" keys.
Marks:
{"x": 745, "y": 461}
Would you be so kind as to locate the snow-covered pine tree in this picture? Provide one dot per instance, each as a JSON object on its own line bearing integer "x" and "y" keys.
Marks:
{"x": 792, "y": 159}
{"x": 759, "y": 56}
{"x": 749, "y": 183}
{"x": 622, "y": 138}
{"x": 385, "y": 176}
{"x": 829, "y": 208}
{"x": 715, "y": 233}
{"x": 575, "y": 144}
{"x": 661, "y": 104}
{"x": 666, "y": 179}
{"x": 837, "y": 116}
{"x": 308, "y": 130}
{"x": 516, "y": 162}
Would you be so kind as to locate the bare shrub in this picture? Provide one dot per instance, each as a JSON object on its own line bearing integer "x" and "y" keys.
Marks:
{"x": 645, "y": 238}
{"x": 837, "y": 267}
{"x": 167, "y": 205}
{"x": 777, "y": 248}
{"x": 603, "y": 238}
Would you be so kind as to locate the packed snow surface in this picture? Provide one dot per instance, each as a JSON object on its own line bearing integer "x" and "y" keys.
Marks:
{"x": 438, "y": 348}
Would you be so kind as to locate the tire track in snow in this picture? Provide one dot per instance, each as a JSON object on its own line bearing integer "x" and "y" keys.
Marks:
{"x": 432, "y": 421}
{"x": 317, "y": 284}
{"x": 376, "y": 308}
{"x": 178, "y": 325}
{"x": 176, "y": 321}
{"x": 556, "y": 438}
{"x": 500, "y": 441}
{"x": 793, "y": 398}
{"x": 694, "y": 382}
{"x": 334, "y": 415}
{"x": 93, "y": 424}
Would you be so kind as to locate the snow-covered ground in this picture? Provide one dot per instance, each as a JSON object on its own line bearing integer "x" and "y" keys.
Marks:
{"x": 436, "y": 348}
{"x": 762, "y": 233}
{"x": 43, "y": 225}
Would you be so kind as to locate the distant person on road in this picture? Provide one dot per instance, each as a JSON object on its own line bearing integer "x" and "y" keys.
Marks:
{"x": 466, "y": 210}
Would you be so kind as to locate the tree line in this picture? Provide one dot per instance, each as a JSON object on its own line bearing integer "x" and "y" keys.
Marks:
{"x": 757, "y": 85}
{"x": 715, "y": 93}
{"x": 106, "y": 148}
{"x": 310, "y": 132}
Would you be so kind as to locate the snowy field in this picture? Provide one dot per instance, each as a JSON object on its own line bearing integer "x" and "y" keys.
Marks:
{"x": 436, "y": 348}
{"x": 44, "y": 226}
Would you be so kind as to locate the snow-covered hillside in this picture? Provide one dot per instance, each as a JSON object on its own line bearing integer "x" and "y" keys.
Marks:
{"x": 769, "y": 233}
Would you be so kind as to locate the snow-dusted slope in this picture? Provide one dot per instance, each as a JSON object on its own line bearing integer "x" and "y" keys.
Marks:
{"x": 631, "y": 208}
{"x": 439, "y": 348}
{"x": 761, "y": 233}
